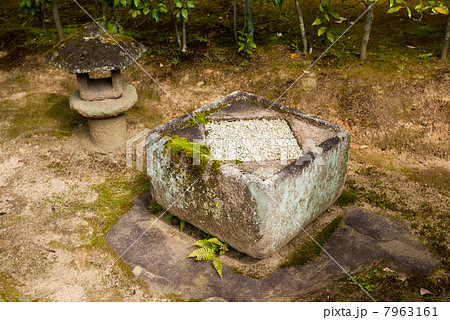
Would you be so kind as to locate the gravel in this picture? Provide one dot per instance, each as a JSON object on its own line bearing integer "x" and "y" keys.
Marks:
{"x": 252, "y": 140}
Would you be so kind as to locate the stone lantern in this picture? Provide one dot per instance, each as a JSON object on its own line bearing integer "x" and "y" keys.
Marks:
{"x": 103, "y": 101}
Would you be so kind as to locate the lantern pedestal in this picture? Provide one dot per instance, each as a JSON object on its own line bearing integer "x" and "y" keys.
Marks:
{"x": 109, "y": 133}
{"x": 106, "y": 118}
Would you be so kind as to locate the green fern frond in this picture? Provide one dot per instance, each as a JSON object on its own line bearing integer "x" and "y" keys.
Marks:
{"x": 218, "y": 266}
{"x": 205, "y": 244}
{"x": 168, "y": 217}
{"x": 208, "y": 249}
{"x": 202, "y": 254}
{"x": 200, "y": 243}
{"x": 216, "y": 241}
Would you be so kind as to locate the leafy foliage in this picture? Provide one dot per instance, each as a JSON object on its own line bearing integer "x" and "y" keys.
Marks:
{"x": 433, "y": 7}
{"x": 182, "y": 8}
{"x": 246, "y": 44}
{"x": 31, "y": 7}
{"x": 112, "y": 18}
{"x": 208, "y": 250}
{"x": 328, "y": 11}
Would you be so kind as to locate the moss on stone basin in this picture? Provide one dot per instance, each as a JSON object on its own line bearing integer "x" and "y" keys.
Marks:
{"x": 255, "y": 206}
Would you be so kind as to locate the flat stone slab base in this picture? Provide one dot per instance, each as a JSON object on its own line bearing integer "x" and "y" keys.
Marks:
{"x": 160, "y": 258}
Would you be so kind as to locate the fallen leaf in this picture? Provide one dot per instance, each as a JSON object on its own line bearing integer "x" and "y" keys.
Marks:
{"x": 424, "y": 291}
{"x": 341, "y": 19}
{"x": 293, "y": 56}
{"x": 440, "y": 10}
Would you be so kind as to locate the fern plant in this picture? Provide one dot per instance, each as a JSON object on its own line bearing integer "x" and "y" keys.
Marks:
{"x": 208, "y": 250}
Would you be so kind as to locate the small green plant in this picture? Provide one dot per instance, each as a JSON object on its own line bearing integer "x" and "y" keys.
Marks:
{"x": 204, "y": 39}
{"x": 154, "y": 207}
{"x": 425, "y": 56}
{"x": 222, "y": 58}
{"x": 207, "y": 56}
{"x": 168, "y": 217}
{"x": 294, "y": 46}
{"x": 246, "y": 44}
{"x": 208, "y": 250}
{"x": 148, "y": 53}
{"x": 175, "y": 61}
{"x": 159, "y": 51}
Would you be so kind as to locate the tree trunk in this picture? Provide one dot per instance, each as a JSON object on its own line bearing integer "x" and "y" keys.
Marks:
{"x": 184, "y": 48}
{"x": 249, "y": 19}
{"x": 302, "y": 27}
{"x": 367, "y": 28}
{"x": 174, "y": 20}
{"x": 42, "y": 17}
{"x": 234, "y": 21}
{"x": 446, "y": 40}
{"x": 313, "y": 29}
{"x": 57, "y": 20}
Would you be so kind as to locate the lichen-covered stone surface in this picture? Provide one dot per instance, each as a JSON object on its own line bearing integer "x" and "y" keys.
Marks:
{"x": 104, "y": 108}
{"x": 91, "y": 49}
{"x": 102, "y": 88}
{"x": 255, "y": 214}
{"x": 108, "y": 133}
{"x": 157, "y": 252}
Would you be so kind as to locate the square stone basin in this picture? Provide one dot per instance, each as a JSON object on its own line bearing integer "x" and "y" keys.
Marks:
{"x": 248, "y": 171}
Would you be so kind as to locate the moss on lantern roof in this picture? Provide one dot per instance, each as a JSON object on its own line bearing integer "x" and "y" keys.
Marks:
{"x": 91, "y": 49}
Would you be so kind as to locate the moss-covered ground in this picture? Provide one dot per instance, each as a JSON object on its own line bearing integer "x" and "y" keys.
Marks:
{"x": 312, "y": 249}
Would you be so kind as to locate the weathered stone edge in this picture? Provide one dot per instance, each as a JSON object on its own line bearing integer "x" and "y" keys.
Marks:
{"x": 156, "y": 134}
{"x": 96, "y": 109}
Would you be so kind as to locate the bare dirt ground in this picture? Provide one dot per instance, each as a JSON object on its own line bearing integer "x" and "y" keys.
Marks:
{"x": 59, "y": 196}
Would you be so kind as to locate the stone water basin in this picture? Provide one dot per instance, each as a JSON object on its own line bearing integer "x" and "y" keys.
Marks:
{"x": 248, "y": 171}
